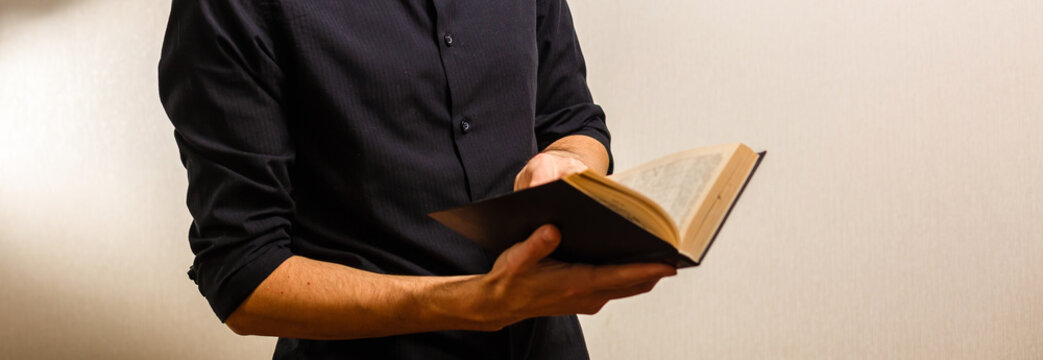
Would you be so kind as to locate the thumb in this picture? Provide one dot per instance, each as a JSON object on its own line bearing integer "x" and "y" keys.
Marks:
{"x": 527, "y": 253}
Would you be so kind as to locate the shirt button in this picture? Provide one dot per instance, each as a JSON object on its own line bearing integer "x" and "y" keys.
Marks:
{"x": 448, "y": 39}
{"x": 465, "y": 126}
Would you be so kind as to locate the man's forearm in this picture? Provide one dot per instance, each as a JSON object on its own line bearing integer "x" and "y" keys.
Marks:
{"x": 310, "y": 299}
{"x": 583, "y": 148}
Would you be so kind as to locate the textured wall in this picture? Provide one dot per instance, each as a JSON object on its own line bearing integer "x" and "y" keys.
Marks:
{"x": 898, "y": 214}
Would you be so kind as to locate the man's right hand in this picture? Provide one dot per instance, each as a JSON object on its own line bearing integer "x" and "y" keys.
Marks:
{"x": 524, "y": 283}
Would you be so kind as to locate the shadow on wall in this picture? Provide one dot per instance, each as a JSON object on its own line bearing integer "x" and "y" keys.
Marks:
{"x": 15, "y": 12}
{"x": 32, "y": 7}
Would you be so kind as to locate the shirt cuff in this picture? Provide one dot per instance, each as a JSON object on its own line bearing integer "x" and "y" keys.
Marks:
{"x": 238, "y": 286}
{"x": 602, "y": 138}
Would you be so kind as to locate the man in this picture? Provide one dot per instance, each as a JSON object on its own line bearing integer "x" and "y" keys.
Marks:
{"x": 317, "y": 135}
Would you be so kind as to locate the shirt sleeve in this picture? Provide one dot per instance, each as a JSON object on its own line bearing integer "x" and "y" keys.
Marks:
{"x": 220, "y": 85}
{"x": 564, "y": 105}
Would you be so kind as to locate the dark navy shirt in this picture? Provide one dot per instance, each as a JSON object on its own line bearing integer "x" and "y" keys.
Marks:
{"x": 330, "y": 128}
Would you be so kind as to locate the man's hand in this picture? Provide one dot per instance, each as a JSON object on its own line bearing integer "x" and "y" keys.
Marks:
{"x": 524, "y": 283}
{"x": 568, "y": 155}
{"x": 546, "y": 167}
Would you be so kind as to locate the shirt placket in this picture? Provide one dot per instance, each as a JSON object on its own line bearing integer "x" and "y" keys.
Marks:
{"x": 453, "y": 44}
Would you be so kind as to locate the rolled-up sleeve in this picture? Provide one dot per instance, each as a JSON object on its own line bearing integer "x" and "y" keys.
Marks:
{"x": 219, "y": 82}
{"x": 564, "y": 105}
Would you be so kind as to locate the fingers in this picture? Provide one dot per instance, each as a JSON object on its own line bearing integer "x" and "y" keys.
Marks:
{"x": 537, "y": 172}
{"x": 594, "y": 303}
{"x": 528, "y": 253}
{"x": 521, "y": 180}
{"x": 616, "y": 282}
{"x": 628, "y": 275}
{"x": 544, "y": 174}
{"x": 640, "y": 288}
{"x": 527, "y": 286}
{"x": 555, "y": 169}
{"x": 546, "y": 167}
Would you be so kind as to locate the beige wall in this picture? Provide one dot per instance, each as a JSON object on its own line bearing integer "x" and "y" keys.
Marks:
{"x": 898, "y": 214}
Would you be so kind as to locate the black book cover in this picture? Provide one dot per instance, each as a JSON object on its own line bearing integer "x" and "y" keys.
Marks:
{"x": 591, "y": 233}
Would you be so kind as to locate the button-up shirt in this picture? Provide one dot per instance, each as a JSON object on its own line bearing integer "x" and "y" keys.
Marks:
{"x": 329, "y": 129}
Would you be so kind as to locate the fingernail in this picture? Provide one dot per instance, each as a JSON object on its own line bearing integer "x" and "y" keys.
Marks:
{"x": 545, "y": 234}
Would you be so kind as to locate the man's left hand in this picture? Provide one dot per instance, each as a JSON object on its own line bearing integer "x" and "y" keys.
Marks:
{"x": 546, "y": 167}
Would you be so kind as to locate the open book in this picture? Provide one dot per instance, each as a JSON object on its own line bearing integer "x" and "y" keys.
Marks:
{"x": 667, "y": 210}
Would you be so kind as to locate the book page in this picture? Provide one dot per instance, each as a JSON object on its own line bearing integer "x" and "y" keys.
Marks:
{"x": 675, "y": 183}
{"x": 628, "y": 203}
{"x": 699, "y": 234}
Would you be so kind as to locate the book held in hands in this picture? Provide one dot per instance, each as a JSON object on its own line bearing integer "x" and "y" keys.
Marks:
{"x": 667, "y": 210}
